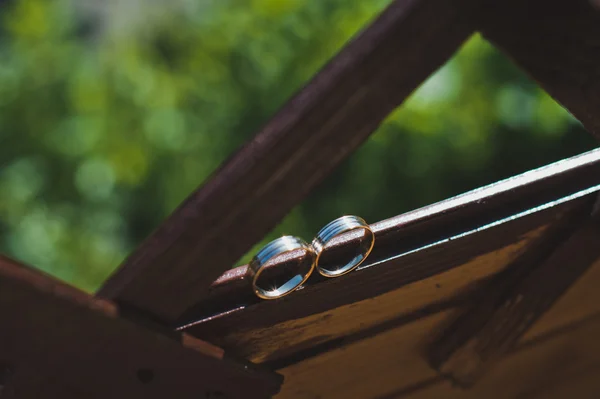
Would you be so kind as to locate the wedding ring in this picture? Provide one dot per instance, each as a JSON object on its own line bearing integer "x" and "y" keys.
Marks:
{"x": 281, "y": 267}
{"x": 334, "y": 229}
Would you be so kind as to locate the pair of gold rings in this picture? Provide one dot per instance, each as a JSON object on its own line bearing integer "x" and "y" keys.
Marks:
{"x": 286, "y": 263}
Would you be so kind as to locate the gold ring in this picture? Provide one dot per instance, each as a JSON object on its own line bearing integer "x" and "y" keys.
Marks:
{"x": 271, "y": 282}
{"x": 340, "y": 226}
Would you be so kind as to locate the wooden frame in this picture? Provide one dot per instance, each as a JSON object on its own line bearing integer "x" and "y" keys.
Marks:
{"x": 503, "y": 237}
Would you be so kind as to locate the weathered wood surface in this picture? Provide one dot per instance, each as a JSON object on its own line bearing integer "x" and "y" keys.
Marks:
{"x": 301, "y": 145}
{"x": 558, "y": 43}
{"x": 394, "y": 363}
{"x": 512, "y": 304}
{"x": 316, "y": 317}
{"x": 58, "y": 342}
{"x": 319, "y": 316}
{"x": 562, "y": 365}
{"x": 435, "y": 222}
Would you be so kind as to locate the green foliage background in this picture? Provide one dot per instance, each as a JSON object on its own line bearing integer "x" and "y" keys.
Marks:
{"x": 103, "y": 132}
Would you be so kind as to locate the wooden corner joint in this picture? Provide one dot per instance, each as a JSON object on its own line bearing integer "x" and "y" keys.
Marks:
{"x": 513, "y": 301}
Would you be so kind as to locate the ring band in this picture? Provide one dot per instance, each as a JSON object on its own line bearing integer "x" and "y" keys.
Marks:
{"x": 275, "y": 249}
{"x": 334, "y": 229}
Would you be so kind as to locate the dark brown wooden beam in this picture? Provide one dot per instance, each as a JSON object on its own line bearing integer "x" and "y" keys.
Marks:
{"x": 558, "y": 43}
{"x": 421, "y": 227}
{"x": 323, "y": 124}
{"x": 58, "y": 342}
{"x": 512, "y": 303}
{"x": 302, "y": 320}
{"x": 285, "y": 332}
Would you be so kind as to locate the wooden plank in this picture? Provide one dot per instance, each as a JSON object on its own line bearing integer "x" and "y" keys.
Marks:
{"x": 393, "y": 292}
{"x": 244, "y": 324}
{"x": 397, "y": 365}
{"x": 393, "y": 363}
{"x": 540, "y": 370}
{"x": 416, "y": 229}
{"x": 481, "y": 336}
{"x": 557, "y": 43}
{"x": 396, "y": 358}
{"x": 58, "y": 342}
{"x": 375, "y": 366}
{"x": 301, "y": 145}
{"x": 578, "y": 303}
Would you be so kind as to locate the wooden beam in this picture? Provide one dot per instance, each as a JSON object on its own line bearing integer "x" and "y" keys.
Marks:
{"x": 422, "y": 227}
{"x": 318, "y": 316}
{"x": 397, "y": 365}
{"x": 405, "y": 253}
{"x": 557, "y": 43}
{"x": 512, "y": 304}
{"x": 398, "y": 368}
{"x": 324, "y": 123}
{"x": 58, "y": 342}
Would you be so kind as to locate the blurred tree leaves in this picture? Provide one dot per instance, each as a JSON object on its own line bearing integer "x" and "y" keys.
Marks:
{"x": 104, "y": 131}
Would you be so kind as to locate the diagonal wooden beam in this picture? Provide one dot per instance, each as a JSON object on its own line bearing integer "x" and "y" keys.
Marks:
{"x": 514, "y": 301}
{"x": 58, "y": 342}
{"x": 558, "y": 43}
{"x": 485, "y": 230}
{"x": 317, "y": 129}
{"x": 435, "y": 222}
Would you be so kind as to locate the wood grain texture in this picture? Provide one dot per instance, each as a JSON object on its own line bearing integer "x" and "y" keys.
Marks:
{"x": 388, "y": 362}
{"x": 308, "y": 317}
{"x": 313, "y": 133}
{"x": 416, "y": 229}
{"x": 481, "y": 336}
{"x": 58, "y": 342}
{"x": 578, "y": 303}
{"x": 394, "y": 363}
{"x": 558, "y": 43}
{"x": 379, "y": 297}
{"x": 548, "y": 368}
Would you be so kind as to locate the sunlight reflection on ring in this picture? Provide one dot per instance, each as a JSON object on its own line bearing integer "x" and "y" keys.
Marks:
{"x": 275, "y": 254}
{"x": 328, "y": 235}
